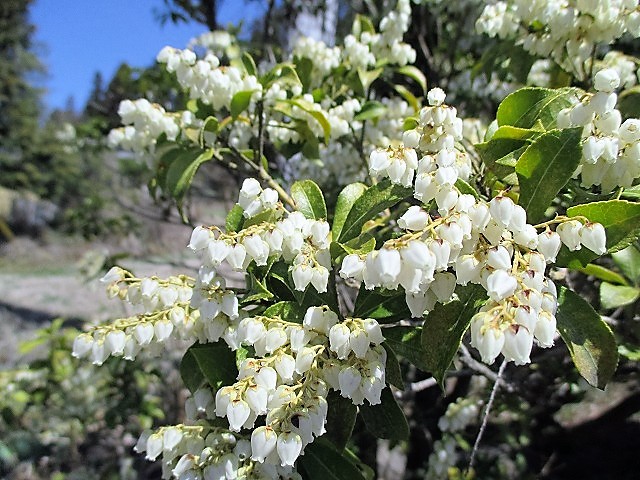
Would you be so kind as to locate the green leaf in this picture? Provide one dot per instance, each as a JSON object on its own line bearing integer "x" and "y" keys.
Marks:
{"x": 318, "y": 115}
{"x": 632, "y": 352}
{"x": 321, "y": 461}
{"x": 309, "y": 199}
{"x": 240, "y": 102}
{"x": 444, "y": 328}
{"x": 464, "y": 187}
{"x": 304, "y": 67}
{"x": 590, "y": 341}
{"x": 498, "y": 154}
{"x": 367, "y": 77}
{"x": 406, "y": 342}
{"x": 620, "y": 218}
{"x": 545, "y": 167}
{"x": 614, "y": 296}
{"x": 628, "y": 260}
{"x": 213, "y": 362}
{"x": 249, "y": 64}
{"x": 288, "y": 75}
{"x": 361, "y": 245}
{"x": 346, "y": 199}
{"x": 385, "y": 306}
{"x": 386, "y": 420}
{"x": 341, "y": 418}
{"x": 181, "y": 172}
{"x": 256, "y": 290}
{"x": 602, "y": 273}
{"x": 393, "y": 373}
{"x": 629, "y": 102}
{"x": 287, "y": 311}
{"x": 632, "y": 193}
{"x": 524, "y": 107}
{"x": 409, "y": 97}
{"x": 235, "y": 219}
{"x": 373, "y": 201}
{"x": 515, "y": 133}
{"x": 370, "y": 111}
{"x": 415, "y": 74}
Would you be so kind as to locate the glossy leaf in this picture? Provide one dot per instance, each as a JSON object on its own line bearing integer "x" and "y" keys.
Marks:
{"x": 213, "y": 362}
{"x": 603, "y": 273}
{"x": 386, "y": 420}
{"x": 235, "y": 219}
{"x": 628, "y": 260}
{"x": 309, "y": 199}
{"x": 322, "y": 461}
{"x": 406, "y": 342}
{"x": 501, "y": 155}
{"x": 373, "y": 201}
{"x": 393, "y": 373}
{"x": 346, "y": 199}
{"x": 287, "y": 311}
{"x": 526, "y": 106}
{"x": 382, "y": 305}
{"x": 415, "y": 74}
{"x": 318, "y": 115}
{"x": 181, "y": 172}
{"x": 545, "y": 167}
{"x": 240, "y": 102}
{"x": 249, "y": 64}
{"x": 341, "y": 418}
{"x": 590, "y": 341}
{"x": 444, "y": 328}
{"x": 614, "y": 296}
{"x": 371, "y": 110}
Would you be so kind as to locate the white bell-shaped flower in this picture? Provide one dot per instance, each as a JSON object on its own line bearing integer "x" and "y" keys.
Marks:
{"x": 200, "y": 238}
{"x": 549, "y": 244}
{"x": 501, "y": 285}
{"x": 593, "y": 236}
{"x": 289, "y": 446}
{"x": 415, "y": 218}
{"x": 238, "y": 412}
{"x": 263, "y": 442}
{"x": 570, "y": 234}
{"x": 517, "y": 345}
{"x": 349, "y": 380}
{"x": 352, "y": 267}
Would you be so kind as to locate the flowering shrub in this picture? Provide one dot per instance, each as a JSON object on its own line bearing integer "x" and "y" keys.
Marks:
{"x": 443, "y": 238}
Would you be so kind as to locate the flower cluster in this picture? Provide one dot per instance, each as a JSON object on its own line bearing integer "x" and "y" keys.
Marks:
{"x": 471, "y": 241}
{"x": 203, "y": 452}
{"x": 611, "y": 148}
{"x": 167, "y": 314}
{"x": 458, "y": 416}
{"x": 296, "y": 239}
{"x": 145, "y": 122}
{"x": 567, "y": 31}
{"x": 287, "y": 382}
{"x": 205, "y": 79}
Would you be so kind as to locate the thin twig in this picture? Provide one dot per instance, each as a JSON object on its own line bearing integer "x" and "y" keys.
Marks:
{"x": 485, "y": 417}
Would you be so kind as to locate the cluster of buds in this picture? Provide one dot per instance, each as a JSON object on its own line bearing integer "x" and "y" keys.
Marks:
{"x": 458, "y": 416}
{"x": 254, "y": 200}
{"x": 144, "y": 123}
{"x": 167, "y": 315}
{"x": 298, "y": 240}
{"x": 568, "y": 32}
{"x": 611, "y": 148}
{"x": 201, "y": 452}
{"x": 288, "y": 380}
{"x": 206, "y": 79}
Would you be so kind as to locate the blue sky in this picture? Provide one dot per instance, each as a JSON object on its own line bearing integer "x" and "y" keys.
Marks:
{"x": 77, "y": 38}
